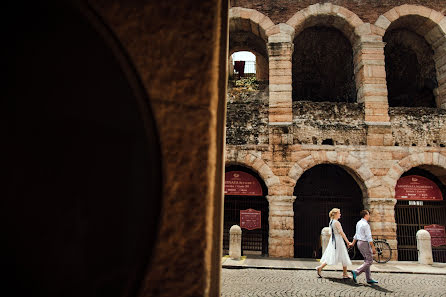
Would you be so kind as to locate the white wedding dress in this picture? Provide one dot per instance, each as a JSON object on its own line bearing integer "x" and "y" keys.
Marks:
{"x": 336, "y": 251}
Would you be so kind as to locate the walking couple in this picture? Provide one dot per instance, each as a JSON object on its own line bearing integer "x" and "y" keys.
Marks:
{"x": 336, "y": 252}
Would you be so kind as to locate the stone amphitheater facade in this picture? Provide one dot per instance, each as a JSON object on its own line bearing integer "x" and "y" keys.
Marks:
{"x": 373, "y": 142}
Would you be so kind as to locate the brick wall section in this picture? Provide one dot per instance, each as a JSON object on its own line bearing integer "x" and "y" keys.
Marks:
{"x": 368, "y": 10}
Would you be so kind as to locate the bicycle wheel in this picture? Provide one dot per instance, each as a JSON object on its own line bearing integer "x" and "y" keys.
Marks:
{"x": 383, "y": 251}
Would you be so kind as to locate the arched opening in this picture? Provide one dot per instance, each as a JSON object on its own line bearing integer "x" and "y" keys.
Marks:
{"x": 419, "y": 205}
{"x": 317, "y": 191}
{"x": 323, "y": 66}
{"x": 410, "y": 67}
{"x": 82, "y": 199}
{"x": 244, "y": 190}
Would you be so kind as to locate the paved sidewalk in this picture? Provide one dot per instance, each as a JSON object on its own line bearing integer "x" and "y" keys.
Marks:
{"x": 310, "y": 264}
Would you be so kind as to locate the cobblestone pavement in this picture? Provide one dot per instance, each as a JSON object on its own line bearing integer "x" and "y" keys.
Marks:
{"x": 268, "y": 282}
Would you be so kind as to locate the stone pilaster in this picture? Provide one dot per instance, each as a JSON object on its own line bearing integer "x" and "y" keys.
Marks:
{"x": 280, "y": 51}
{"x": 370, "y": 75}
{"x": 281, "y": 226}
{"x": 382, "y": 220}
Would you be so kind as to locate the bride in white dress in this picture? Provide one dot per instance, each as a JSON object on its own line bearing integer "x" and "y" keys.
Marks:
{"x": 336, "y": 251}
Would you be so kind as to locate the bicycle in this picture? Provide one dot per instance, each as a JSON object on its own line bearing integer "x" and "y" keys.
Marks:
{"x": 383, "y": 251}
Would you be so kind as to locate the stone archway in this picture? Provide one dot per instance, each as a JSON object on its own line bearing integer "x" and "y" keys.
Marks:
{"x": 427, "y": 23}
{"x": 320, "y": 189}
{"x": 253, "y": 161}
{"x": 359, "y": 171}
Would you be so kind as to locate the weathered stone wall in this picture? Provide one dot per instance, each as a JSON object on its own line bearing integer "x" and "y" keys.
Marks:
{"x": 363, "y": 134}
{"x": 279, "y": 11}
{"x": 418, "y": 126}
{"x": 343, "y": 123}
{"x": 247, "y": 116}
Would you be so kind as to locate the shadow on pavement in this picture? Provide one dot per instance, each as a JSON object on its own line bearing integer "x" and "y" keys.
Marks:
{"x": 350, "y": 282}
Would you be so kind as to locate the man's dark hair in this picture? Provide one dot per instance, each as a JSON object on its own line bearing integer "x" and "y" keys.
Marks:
{"x": 364, "y": 212}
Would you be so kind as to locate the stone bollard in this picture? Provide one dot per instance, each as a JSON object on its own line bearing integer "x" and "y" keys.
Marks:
{"x": 235, "y": 242}
{"x": 325, "y": 238}
{"x": 424, "y": 247}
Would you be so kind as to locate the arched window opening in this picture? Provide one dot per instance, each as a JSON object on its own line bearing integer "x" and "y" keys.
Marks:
{"x": 323, "y": 66}
{"x": 317, "y": 191}
{"x": 243, "y": 65}
{"x": 410, "y": 69}
{"x": 421, "y": 206}
{"x": 245, "y": 190}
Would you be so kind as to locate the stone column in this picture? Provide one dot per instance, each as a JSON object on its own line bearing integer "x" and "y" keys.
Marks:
{"x": 325, "y": 238}
{"x": 370, "y": 75}
{"x": 235, "y": 242}
{"x": 280, "y": 51}
{"x": 281, "y": 226}
{"x": 382, "y": 220}
{"x": 424, "y": 247}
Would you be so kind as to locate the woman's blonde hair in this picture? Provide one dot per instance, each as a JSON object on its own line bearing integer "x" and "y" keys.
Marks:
{"x": 332, "y": 212}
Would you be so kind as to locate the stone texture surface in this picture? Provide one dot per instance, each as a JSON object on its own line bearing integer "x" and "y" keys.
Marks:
{"x": 156, "y": 36}
{"x": 267, "y": 282}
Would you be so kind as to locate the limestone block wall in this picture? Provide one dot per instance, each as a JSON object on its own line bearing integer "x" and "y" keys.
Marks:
{"x": 370, "y": 141}
{"x": 375, "y": 169}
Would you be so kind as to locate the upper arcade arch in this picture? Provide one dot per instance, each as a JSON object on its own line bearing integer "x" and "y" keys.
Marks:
{"x": 249, "y": 20}
{"x": 427, "y": 23}
{"x": 329, "y": 15}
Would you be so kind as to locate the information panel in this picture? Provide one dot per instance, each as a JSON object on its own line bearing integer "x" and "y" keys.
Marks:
{"x": 438, "y": 234}
{"x": 250, "y": 219}
{"x": 242, "y": 183}
{"x": 415, "y": 187}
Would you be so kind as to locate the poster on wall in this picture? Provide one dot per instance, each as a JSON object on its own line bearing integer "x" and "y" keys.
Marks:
{"x": 438, "y": 234}
{"x": 250, "y": 219}
{"x": 242, "y": 183}
{"x": 415, "y": 187}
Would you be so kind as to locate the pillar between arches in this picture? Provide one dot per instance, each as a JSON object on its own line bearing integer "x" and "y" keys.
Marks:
{"x": 281, "y": 226}
{"x": 370, "y": 76}
{"x": 280, "y": 81}
{"x": 382, "y": 220}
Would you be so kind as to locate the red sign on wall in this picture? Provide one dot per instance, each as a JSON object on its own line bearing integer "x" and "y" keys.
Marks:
{"x": 242, "y": 183}
{"x": 415, "y": 187}
{"x": 438, "y": 234}
{"x": 250, "y": 219}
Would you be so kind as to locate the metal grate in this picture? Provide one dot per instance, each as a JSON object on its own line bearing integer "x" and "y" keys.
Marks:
{"x": 410, "y": 219}
{"x": 253, "y": 241}
{"x": 318, "y": 191}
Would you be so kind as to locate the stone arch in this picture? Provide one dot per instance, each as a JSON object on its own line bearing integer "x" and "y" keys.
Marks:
{"x": 411, "y": 161}
{"x": 249, "y": 20}
{"x": 332, "y": 15}
{"x": 427, "y": 23}
{"x": 359, "y": 171}
{"x": 254, "y": 162}
{"x": 248, "y": 32}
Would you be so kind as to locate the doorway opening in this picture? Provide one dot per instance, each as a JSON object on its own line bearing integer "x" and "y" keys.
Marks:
{"x": 318, "y": 190}
{"x": 254, "y": 241}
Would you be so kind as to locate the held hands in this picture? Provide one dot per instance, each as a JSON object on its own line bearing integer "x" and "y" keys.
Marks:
{"x": 350, "y": 244}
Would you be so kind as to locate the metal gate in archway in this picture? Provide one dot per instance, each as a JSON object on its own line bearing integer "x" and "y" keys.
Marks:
{"x": 253, "y": 241}
{"x": 410, "y": 219}
{"x": 320, "y": 189}
{"x": 247, "y": 191}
